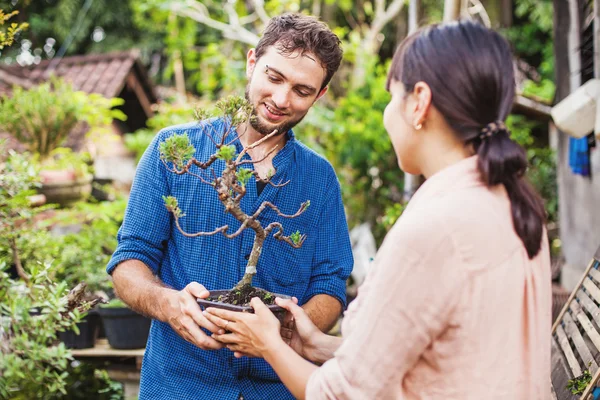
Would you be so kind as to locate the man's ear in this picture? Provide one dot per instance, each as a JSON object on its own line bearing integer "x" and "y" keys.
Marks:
{"x": 250, "y": 62}
{"x": 322, "y": 92}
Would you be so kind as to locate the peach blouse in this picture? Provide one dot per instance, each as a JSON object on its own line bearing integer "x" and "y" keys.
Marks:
{"x": 452, "y": 307}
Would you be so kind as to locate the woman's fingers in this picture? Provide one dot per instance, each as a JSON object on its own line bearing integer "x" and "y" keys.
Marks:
{"x": 229, "y": 338}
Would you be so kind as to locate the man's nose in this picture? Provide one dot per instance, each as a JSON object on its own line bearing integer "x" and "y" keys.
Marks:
{"x": 281, "y": 98}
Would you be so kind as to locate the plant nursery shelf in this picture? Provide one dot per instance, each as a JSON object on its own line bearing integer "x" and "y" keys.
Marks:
{"x": 102, "y": 349}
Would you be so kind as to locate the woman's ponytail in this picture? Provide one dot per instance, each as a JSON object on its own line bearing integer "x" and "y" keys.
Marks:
{"x": 503, "y": 161}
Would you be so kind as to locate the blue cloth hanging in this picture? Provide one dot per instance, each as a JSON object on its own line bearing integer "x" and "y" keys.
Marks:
{"x": 579, "y": 156}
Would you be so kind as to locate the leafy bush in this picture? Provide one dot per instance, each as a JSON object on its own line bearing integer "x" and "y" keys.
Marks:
{"x": 353, "y": 138}
{"x": 42, "y": 117}
{"x": 167, "y": 115}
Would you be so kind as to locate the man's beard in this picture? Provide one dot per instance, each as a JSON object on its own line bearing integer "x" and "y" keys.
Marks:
{"x": 265, "y": 128}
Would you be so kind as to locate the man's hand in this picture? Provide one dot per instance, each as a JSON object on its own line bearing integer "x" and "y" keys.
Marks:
{"x": 184, "y": 315}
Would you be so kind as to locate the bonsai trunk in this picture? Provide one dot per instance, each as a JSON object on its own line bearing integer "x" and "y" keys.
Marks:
{"x": 246, "y": 280}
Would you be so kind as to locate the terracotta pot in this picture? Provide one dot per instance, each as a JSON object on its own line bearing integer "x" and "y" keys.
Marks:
{"x": 275, "y": 309}
{"x": 63, "y": 188}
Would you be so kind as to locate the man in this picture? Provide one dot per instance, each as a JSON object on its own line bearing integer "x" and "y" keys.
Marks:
{"x": 159, "y": 272}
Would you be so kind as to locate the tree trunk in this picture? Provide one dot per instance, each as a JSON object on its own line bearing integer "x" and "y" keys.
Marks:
{"x": 452, "y": 10}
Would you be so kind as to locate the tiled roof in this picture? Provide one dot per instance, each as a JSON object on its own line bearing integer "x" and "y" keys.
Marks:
{"x": 105, "y": 74}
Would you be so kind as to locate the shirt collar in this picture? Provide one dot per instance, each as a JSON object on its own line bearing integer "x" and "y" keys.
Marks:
{"x": 460, "y": 175}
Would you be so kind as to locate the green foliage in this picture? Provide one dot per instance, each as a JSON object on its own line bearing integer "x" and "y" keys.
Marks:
{"x": 226, "y": 153}
{"x": 296, "y": 237}
{"x": 168, "y": 114}
{"x": 8, "y": 37}
{"x": 354, "y": 140}
{"x": 543, "y": 91}
{"x": 173, "y": 206}
{"x": 531, "y": 36}
{"x": 391, "y": 215}
{"x": 542, "y": 162}
{"x": 578, "y": 384}
{"x": 177, "y": 149}
{"x": 83, "y": 255}
{"x": 243, "y": 175}
{"x": 42, "y": 117}
{"x": 64, "y": 158}
{"x": 32, "y": 364}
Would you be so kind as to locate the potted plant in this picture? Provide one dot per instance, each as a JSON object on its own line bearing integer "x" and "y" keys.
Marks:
{"x": 42, "y": 117}
{"x": 177, "y": 154}
{"x": 125, "y": 329}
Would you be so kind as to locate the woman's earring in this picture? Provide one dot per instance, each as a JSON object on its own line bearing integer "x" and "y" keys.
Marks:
{"x": 418, "y": 126}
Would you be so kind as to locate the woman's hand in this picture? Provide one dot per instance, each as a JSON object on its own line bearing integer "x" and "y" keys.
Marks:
{"x": 251, "y": 334}
{"x": 305, "y": 335}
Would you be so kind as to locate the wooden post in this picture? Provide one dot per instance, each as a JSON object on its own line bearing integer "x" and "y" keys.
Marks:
{"x": 452, "y": 10}
{"x": 411, "y": 182}
{"x": 574, "y": 44}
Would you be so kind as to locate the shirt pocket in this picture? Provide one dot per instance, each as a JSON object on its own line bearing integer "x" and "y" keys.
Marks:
{"x": 288, "y": 266}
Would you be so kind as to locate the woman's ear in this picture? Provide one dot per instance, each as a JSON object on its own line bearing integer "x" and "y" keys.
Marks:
{"x": 422, "y": 102}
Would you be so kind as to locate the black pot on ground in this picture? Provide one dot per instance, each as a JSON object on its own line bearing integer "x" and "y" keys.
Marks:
{"x": 88, "y": 332}
{"x": 214, "y": 294}
{"x": 125, "y": 329}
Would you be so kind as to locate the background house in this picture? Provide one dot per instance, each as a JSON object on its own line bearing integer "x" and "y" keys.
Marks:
{"x": 116, "y": 74}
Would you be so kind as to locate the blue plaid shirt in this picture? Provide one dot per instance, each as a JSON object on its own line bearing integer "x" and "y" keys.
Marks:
{"x": 175, "y": 369}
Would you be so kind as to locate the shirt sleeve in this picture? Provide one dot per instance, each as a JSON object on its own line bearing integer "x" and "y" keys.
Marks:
{"x": 412, "y": 294}
{"x": 332, "y": 261}
{"x": 146, "y": 226}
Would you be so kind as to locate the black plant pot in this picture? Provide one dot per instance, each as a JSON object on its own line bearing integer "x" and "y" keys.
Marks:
{"x": 88, "y": 333}
{"x": 275, "y": 309}
{"x": 125, "y": 329}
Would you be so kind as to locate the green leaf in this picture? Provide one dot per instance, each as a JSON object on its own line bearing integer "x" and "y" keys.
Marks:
{"x": 177, "y": 149}
{"x": 226, "y": 153}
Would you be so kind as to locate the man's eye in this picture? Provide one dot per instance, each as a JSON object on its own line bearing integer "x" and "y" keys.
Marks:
{"x": 302, "y": 94}
{"x": 274, "y": 79}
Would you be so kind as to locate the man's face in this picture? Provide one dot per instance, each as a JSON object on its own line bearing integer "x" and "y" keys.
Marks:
{"x": 282, "y": 88}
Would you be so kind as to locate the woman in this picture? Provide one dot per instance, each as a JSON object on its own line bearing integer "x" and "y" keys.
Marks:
{"x": 457, "y": 302}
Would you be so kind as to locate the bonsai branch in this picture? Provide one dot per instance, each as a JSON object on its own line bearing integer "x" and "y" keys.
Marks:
{"x": 295, "y": 243}
{"x": 257, "y": 161}
{"x": 268, "y": 180}
{"x": 253, "y": 145}
{"x": 266, "y": 204}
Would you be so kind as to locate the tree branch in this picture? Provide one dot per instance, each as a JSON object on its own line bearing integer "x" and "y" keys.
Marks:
{"x": 17, "y": 260}
{"x": 268, "y": 180}
{"x": 266, "y": 204}
{"x": 257, "y": 161}
{"x": 198, "y": 12}
{"x": 259, "y": 9}
{"x": 253, "y": 145}
{"x": 184, "y": 233}
{"x": 279, "y": 235}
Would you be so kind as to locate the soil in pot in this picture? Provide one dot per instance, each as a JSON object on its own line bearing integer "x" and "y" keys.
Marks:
{"x": 239, "y": 300}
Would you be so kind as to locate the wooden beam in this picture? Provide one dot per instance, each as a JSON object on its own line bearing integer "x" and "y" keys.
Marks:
{"x": 134, "y": 84}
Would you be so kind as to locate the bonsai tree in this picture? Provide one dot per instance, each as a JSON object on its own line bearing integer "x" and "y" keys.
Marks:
{"x": 177, "y": 154}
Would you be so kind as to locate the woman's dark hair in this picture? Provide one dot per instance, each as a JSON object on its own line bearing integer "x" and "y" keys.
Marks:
{"x": 291, "y": 32}
{"x": 469, "y": 69}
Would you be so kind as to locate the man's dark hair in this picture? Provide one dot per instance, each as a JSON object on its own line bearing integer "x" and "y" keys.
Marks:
{"x": 293, "y": 32}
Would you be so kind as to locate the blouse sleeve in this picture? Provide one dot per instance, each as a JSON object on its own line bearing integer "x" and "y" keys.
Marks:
{"x": 416, "y": 278}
